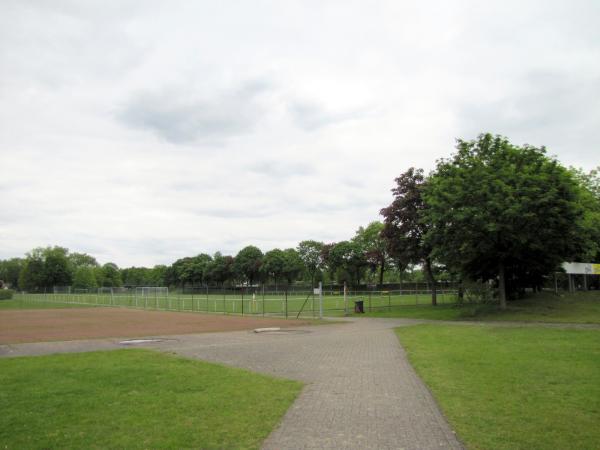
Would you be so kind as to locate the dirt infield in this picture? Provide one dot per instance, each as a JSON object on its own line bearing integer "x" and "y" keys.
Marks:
{"x": 39, "y": 325}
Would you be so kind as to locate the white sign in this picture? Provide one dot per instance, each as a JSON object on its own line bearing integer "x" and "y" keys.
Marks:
{"x": 317, "y": 291}
{"x": 581, "y": 268}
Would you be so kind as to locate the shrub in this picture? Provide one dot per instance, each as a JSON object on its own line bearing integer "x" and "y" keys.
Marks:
{"x": 6, "y": 294}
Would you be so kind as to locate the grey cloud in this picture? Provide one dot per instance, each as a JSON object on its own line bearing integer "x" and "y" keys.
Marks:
{"x": 277, "y": 169}
{"x": 311, "y": 116}
{"x": 542, "y": 108}
{"x": 179, "y": 116}
{"x": 253, "y": 212}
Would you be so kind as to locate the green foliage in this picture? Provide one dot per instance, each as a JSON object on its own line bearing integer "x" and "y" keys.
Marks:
{"x": 494, "y": 207}
{"x": 136, "y": 399}
{"x": 82, "y": 259}
{"x": 9, "y": 271}
{"x": 144, "y": 276}
{"x": 84, "y": 278}
{"x": 348, "y": 261}
{"x": 292, "y": 265}
{"x": 374, "y": 247}
{"x": 589, "y": 190}
{"x": 31, "y": 277}
{"x": 57, "y": 271}
{"x": 512, "y": 388}
{"x": 220, "y": 269}
{"x": 310, "y": 252}
{"x": 277, "y": 264}
{"x": 193, "y": 270}
{"x": 6, "y": 294}
{"x": 44, "y": 268}
{"x": 109, "y": 275}
{"x": 247, "y": 263}
{"x": 273, "y": 264}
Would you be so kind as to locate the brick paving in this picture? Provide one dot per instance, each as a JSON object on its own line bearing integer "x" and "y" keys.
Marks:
{"x": 360, "y": 393}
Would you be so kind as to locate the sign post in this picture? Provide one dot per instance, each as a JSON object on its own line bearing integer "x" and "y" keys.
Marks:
{"x": 318, "y": 291}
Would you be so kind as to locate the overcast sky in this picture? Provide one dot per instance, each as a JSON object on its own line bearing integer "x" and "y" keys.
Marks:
{"x": 141, "y": 132}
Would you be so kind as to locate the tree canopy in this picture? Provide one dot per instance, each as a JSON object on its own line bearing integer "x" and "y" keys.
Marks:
{"x": 374, "y": 247}
{"x": 405, "y": 228}
{"x": 247, "y": 263}
{"x": 495, "y": 209}
{"x": 310, "y": 252}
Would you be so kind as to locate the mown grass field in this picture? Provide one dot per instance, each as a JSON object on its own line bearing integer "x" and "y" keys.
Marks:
{"x": 136, "y": 399}
{"x": 271, "y": 303}
{"x": 512, "y": 388}
{"x": 579, "y": 307}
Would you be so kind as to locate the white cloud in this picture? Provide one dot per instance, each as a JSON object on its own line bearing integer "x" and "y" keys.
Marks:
{"x": 141, "y": 132}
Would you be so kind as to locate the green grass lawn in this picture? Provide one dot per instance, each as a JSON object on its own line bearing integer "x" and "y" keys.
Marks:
{"x": 136, "y": 399}
{"x": 271, "y": 303}
{"x": 512, "y": 388}
{"x": 580, "y": 307}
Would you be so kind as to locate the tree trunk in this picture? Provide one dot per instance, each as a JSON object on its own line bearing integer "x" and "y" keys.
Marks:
{"x": 381, "y": 270}
{"x": 502, "y": 285}
{"x": 431, "y": 279}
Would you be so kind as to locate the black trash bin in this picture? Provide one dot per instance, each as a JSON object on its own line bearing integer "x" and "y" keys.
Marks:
{"x": 359, "y": 306}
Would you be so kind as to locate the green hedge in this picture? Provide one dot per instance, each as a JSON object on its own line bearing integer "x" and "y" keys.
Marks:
{"x": 6, "y": 294}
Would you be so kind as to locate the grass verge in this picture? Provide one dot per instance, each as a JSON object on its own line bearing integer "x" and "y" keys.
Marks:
{"x": 579, "y": 307}
{"x": 512, "y": 388}
{"x": 136, "y": 399}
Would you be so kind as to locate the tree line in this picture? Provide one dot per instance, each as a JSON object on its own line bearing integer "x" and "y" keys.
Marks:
{"x": 360, "y": 259}
{"x": 495, "y": 212}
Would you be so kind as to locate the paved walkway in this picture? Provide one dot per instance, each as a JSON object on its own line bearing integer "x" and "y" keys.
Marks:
{"x": 361, "y": 392}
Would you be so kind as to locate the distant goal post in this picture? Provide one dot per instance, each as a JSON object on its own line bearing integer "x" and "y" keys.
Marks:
{"x": 151, "y": 291}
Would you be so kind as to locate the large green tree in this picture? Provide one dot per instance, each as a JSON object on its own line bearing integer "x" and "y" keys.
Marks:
{"x": 31, "y": 277}
{"x": 57, "y": 269}
{"x": 109, "y": 275}
{"x": 348, "y": 261}
{"x": 220, "y": 269}
{"x": 589, "y": 185}
{"x": 247, "y": 263}
{"x": 194, "y": 269}
{"x": 82, "y": 259}
{"x": 84, "y": 278}
{"x": 292, "y": 265}
{"x": 273, "y": 265}
{"x": 499, "y": 211}
{"x": 374, "y": 247}
{"x": 44, "y": 268}
{"x": 310, "y": 252}
{"x": 405, "y": 228}
{"x": 9, "y": 271}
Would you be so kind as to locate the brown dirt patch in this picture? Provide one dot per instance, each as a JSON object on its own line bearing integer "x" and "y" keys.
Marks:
{"x": 39, "y": 325}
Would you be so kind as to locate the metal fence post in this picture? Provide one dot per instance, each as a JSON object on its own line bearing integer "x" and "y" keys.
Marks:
{"x": 320, "y": 299}
{"x": 416, "y": 293}
{"x": 286, "y": 305}
{"x": 345, "y": 300}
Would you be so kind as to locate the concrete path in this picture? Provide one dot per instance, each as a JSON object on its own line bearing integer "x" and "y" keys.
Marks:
{"x": 361, "y": 392}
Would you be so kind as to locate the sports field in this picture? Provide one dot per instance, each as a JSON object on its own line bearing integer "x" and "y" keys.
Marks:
{"x": 292, "y": 304}
{"x": 60, "y": 324}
